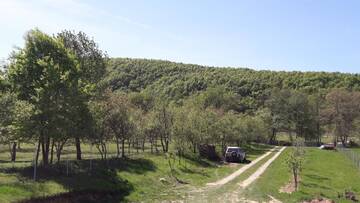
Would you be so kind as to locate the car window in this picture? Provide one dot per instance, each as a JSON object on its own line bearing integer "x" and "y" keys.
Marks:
{"x": 233, "y": 150}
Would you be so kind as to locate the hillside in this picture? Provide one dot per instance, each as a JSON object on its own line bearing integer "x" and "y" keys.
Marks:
{"x": 177, "y": 80}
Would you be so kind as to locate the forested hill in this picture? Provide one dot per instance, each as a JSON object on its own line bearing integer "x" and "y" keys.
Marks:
{"x": 178, "y": 80}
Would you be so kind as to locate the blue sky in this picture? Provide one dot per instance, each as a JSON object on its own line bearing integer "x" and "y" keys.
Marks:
{"x": 304, "y": 35}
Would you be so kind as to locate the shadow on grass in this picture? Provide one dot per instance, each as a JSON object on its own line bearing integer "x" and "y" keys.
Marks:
{"x": 192, "y": 171}
{"x": 7, "y": 162}
{"x": 196, "y": 159}
{"x": 314, "y": 185}
{"x": 101, "y": 184}
{"x": 317, "y": 177}
{"x": 88, "y": 196}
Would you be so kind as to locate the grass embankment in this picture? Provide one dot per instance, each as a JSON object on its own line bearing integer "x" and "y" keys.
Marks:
{"x": 325, "y": 174}
{"x": 141, "y": 177}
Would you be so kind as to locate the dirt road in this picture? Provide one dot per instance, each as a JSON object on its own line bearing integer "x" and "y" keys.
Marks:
{"x": 239, "y": 172}
{"x": 260, "y": 170}
{"x": 220, "y": 191}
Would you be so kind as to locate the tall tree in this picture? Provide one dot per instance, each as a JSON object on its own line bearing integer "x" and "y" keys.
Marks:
{"x": 343, "y": 109}
{"x": 279, "y": 106}
{"x": 46, "y": 74}
{"x": 92, "y": 67}
{"x": 163, "y": 121}
{"x": 117, "y": 119}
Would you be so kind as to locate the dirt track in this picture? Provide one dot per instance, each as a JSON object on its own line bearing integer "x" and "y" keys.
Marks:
{"x": 240, "y": 171}
{"x": 260, "y": 170}
{"x": 235, "y": 194}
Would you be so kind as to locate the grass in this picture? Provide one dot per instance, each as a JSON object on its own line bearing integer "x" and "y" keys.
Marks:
{"x": 141, "y": 177}
{"x": 325, "y": 174}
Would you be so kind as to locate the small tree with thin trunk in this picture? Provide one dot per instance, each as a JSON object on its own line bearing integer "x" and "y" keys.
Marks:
{"x": 295, "y": 160}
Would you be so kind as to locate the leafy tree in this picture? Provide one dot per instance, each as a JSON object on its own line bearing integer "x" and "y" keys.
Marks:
{"x": 342, "y": 110}
{"x": 92, "y": 66}
{"x": 302, "y": 116}
{"x": 15, "y": 123}
{"x": 142, "y": 100}
{"x": 100, "y": 135}
{"x": 178, "y": 81}
{"x": 295, "y": 161}
{"x": 163, "y": 121}
{"x": 279, "y": 106}
{"x": 117, "y": 119}
{"x": 46, "y": 74}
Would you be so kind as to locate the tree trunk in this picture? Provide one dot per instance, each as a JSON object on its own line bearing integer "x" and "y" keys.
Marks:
{"x": 37, "y": 152}
{"x": 117, "y": 147}
{"x": 123, "y": 148}
{"x": 45, "y": 150}
{"x": 151, "y": 146}
{"x": 137, "y": 146}
{"x": 36, "y": 158}
{"x": 78, "y": 148}
{"x": 295, "y": 179}
{"x": 52, "y": 151}
{"x": 58, "y": 155}
{"x": 166, "y": 145}
{"x": 13, "y": 152}
{"x": 129, "y": 146}
{"x": 105, "y": 151}
{"x": 273, "y": 136}
{"x": 162, "y": 143}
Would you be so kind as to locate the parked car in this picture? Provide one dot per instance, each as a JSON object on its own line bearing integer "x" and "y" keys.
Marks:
{"x": 327, "y": 146}
{"x": 235, "y": 154}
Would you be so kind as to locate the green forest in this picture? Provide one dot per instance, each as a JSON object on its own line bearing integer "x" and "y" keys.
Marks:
{"x": 56, "y": 87}
{"x": 62, "y": 89}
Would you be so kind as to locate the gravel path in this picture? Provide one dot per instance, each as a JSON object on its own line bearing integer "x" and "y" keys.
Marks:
{"x": 260, "y": 170}
{"x": 239, "y": 172}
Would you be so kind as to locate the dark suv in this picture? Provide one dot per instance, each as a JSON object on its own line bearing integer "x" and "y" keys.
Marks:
{"x": 235, "y": 154}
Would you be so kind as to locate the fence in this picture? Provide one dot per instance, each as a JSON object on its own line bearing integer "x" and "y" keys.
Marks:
{"x": 351, "y": 154}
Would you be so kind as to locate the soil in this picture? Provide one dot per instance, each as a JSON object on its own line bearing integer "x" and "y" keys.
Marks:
{"x": 290, "y": 187}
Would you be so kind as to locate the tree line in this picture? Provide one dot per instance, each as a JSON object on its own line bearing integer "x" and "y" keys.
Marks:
{"x": 63, "y": 89}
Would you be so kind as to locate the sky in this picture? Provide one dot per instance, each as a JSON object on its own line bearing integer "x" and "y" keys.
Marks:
{"x": 291, "y": 35}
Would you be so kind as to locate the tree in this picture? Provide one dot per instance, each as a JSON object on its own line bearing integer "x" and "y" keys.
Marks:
{"x": 117, "y": 118}
{"x": 15, "y": 122}
{"x": 187, "y": 128}
{"x": 279, "y": 106}
{"x": 92, "y": 67}
{"x": 342, "y": 110}
{"x": 163, "y": 120}
{"x": 295, "y": 160}
{"x": 302, "y": 116}
{"x": 317, "y": 102}
{"x": 45, "y": 74}
{"x": 100, "y": 132}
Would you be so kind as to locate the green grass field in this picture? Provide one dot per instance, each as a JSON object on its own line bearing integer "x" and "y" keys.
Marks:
{"x": 325, "y": 174}
{"x": 141, "y": 177}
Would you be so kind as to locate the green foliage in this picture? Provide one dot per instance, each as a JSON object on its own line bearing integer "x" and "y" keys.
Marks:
{"x": 91, "y": 60}
{"x": 47, "y": 75}
{"x": 15, "y": 123}
{"x": 342, "y": 112}
{"x": 295, "y": 161}
{"x": 178, "y": 81}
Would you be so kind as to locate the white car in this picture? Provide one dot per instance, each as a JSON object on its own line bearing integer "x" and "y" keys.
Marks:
{"x": 235, "y": 154}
